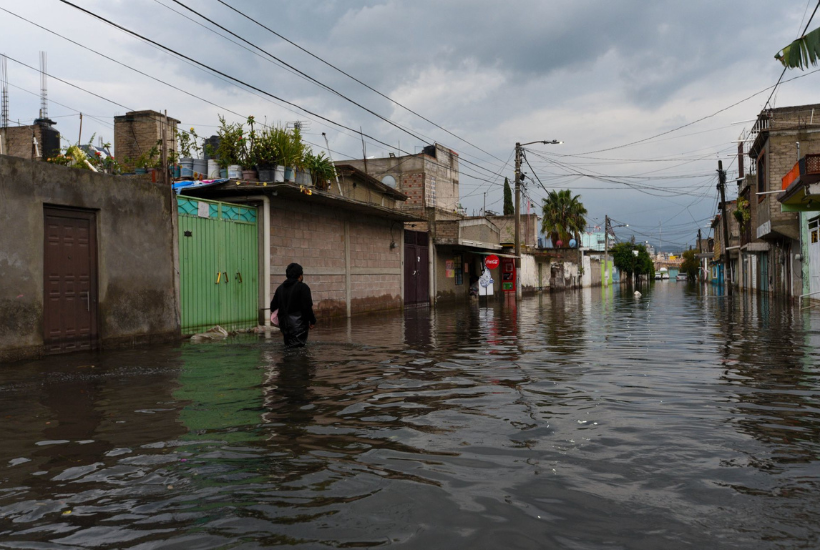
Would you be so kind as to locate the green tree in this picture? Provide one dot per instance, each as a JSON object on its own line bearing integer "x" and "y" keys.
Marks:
{"x": 690, "y": 264}
{"x": 509, "y": 208}
{"x": 625, "y": 259}
{"x": 564, "y": 216}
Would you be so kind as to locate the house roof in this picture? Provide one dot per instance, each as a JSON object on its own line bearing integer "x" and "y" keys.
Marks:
{"x": 293, "y": 191}
{"x": 348, "y": 170}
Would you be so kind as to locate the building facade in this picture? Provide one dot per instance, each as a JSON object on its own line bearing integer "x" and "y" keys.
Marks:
{"x": 778, "y": 139}
{"x": 86, "y": 260}
{"x": 350, "y": 244}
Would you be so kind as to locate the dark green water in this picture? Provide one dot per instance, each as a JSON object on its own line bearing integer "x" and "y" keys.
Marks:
{"x": 679, "y": 419}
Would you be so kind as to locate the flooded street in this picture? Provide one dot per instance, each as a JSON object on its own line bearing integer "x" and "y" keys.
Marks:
{"x": 679, "y": 419}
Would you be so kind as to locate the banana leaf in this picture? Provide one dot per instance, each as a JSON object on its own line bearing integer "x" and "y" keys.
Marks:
{"x": 803, "y": 52}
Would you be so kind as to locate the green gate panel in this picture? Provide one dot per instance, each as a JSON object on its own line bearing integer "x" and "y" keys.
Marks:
{"x": 218, "y": 265}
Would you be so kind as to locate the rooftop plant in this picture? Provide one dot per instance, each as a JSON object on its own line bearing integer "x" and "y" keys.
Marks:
{"x": 231, "y": 143}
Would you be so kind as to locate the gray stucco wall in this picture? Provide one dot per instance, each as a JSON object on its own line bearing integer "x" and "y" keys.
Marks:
{"x": 134, "y": 253}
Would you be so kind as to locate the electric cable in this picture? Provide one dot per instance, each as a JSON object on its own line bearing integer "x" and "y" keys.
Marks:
{"x": 357, "y": 80}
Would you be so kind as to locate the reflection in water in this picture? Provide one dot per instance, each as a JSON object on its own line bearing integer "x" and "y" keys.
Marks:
{"x": 591, "y": 419}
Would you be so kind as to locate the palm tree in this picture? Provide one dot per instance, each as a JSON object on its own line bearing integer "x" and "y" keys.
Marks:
{"x": 564, "y": 216}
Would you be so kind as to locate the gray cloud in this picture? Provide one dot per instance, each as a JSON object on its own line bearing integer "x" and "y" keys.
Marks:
{"x": 593, "y": 73}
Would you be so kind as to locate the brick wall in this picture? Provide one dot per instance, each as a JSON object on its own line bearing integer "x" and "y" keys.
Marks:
{"x": 447, "y": 229}
{"x": 137, "y": 131}
{"x": 428, "y": 181}
{"x": 412, "y": 185}
{"x": 314, "y": 237}
{"x": 17, "y": 142}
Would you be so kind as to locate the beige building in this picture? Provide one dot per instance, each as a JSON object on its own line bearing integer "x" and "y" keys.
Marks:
{"x": 429, "y": 179}
{"x": 770, "y": 248}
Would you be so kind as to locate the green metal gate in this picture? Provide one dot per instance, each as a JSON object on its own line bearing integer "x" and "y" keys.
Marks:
{"x": 218, "y": 265}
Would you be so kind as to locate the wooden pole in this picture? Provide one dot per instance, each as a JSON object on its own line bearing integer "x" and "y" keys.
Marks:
{"x": 727, "y": 278}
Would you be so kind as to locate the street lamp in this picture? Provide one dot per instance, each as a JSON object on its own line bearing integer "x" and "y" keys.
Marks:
{"x": 519, "y": 177}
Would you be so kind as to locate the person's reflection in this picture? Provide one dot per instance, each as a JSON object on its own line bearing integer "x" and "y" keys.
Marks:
{"x": 76, "y": 418}
{"x": 289, "y": 396}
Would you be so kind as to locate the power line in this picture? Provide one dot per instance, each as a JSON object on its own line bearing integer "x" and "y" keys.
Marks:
{"x": 700, "y": 119}
{"x": 300, "y": 72}
{"x": 70, "y": 84}
{"x": 357, "y": 80}
{"x": 357, "y": 133}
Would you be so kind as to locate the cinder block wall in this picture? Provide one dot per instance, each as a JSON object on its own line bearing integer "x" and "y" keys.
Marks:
{"x": 135, "y": 253}
{"x": 345, "y": 256}
{"x": 18, "y": 141}
{"x": 137, "y": 131}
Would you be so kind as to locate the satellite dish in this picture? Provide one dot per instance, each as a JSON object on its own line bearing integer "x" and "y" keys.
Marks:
{"x": 389, "y": 181}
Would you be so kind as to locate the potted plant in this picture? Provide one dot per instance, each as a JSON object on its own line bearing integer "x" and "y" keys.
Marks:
{"x": 291, "y": 152}
{"x": 229, "y": 151}
{"x": 742, "y": 214}
{"x": 187, "y": 145}
{"x": 248, "y": 154}
{"x": 200, "y": 165}
{"x": 266, "y": 154}
{"x": 320, "y": 168}
{"x": 147, "y": 160}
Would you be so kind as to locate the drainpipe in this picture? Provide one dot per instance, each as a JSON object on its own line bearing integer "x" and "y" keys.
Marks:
{"x": 266, "y": 292}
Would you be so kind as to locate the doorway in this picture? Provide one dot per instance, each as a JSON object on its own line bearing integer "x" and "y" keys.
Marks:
{"x": 416, "y": 268}
{"x": 69, "y": 280}
{"x": 814, "y": 255}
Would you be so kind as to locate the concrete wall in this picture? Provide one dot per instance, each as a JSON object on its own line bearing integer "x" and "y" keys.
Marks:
{"x": 135, "y": 253}
{"x": 564, "y": 275}
{"x": 529, "y": 273}
{"x": 356, "y": 190}
{"x": 346, "y": 257}
{"x": 528, "y": 230}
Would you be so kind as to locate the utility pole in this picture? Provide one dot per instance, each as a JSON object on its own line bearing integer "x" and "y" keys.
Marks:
{"x": 518, "y": 178}
{"x": 660, "y": 236}
{"x": 727, "y": 278}
{"x": 329, "y": 156}
{"x": 700, "y": 251}
{"x": 606, "y": 250}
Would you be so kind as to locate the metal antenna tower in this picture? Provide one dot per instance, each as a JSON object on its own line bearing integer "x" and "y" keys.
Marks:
{"x": 4, "y": 92}
{"x": 43, "y": 86}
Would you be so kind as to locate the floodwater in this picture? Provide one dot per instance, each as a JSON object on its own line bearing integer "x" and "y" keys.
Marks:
{"x": 678, "y": 419}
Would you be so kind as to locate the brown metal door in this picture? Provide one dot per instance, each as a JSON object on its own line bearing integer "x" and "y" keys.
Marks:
{"x": 70, "y": 280}
{"x": 410, "y": 273}
{"x": 416, "y": 268}
{"x": 423, "y": 283}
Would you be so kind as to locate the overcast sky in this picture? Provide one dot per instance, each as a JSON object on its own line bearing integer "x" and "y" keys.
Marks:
{"x": 594, "y": 74}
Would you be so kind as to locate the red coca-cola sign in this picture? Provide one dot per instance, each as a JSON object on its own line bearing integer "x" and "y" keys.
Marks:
{"x": 491, "y": 261}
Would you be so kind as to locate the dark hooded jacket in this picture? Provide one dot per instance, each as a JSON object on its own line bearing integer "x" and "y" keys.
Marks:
{"x": 295, "y": 305}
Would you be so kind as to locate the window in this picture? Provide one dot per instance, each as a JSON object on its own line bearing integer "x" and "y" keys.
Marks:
{"x": 814, "y": 229}
{"x": 761, "y": 176}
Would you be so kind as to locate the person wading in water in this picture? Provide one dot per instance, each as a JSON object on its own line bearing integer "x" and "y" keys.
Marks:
{"x": 295, "y": 306}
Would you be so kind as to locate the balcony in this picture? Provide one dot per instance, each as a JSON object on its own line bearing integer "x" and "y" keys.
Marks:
{"x": 801, "y": 186}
